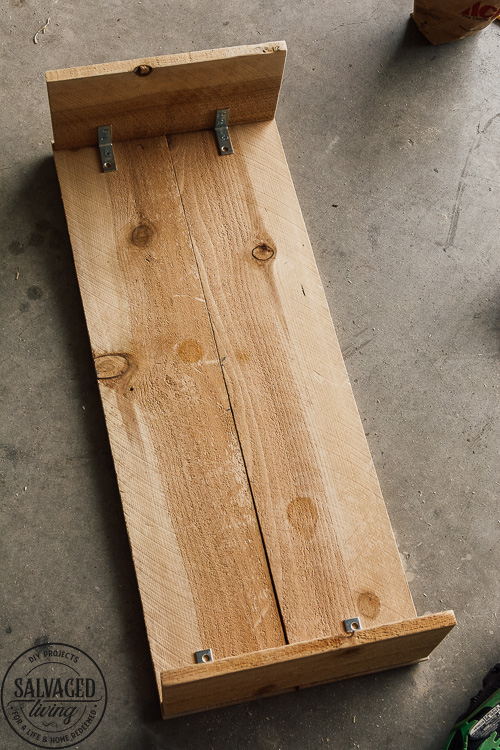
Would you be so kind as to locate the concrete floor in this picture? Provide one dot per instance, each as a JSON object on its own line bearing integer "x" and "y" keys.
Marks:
{"x": 393, "y": 147}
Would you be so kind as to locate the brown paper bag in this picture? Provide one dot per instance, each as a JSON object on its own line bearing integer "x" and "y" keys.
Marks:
{"x": 446, "y": 20}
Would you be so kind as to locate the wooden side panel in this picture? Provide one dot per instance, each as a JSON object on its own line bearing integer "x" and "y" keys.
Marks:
{"x": 181, "y": 93}
{"x": 197, "y": 549}
{"x": 302, "y": 664}
{"x": 330, "y": 544}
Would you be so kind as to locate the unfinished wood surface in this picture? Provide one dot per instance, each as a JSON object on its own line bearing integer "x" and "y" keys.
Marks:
{"x": 330, "y": 545}
{"x": 182, "y": 92}
{"x": 302, "y": 664}
{"x": 197, "y": 550}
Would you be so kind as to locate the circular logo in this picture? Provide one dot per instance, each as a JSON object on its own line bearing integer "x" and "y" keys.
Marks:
{"x": 54, "y": 695}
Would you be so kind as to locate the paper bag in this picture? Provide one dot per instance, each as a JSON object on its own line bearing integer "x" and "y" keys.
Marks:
{"x": 446, "y": 20}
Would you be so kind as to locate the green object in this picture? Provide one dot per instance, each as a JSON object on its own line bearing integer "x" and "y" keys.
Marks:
{"x": 479, "y": 727}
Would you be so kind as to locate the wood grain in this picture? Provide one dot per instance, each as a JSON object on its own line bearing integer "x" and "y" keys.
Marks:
{"x": 242, "y": 462}
{"x": 280, "y": 669}
{"x": 197, "y": 550}
{"x": 182, "y": 93}
{"x": 329, "y": 541}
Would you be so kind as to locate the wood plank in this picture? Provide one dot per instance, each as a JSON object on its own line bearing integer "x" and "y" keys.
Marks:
{"x": 280, "y": 669}
{"x": 182, "y": 93}
{"x": 328, "y": 537}
{"x": 198, "y": 554}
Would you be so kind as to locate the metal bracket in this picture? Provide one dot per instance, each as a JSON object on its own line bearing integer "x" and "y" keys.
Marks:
{"x": 352, "y": 625}
{"x": 106, "y": 148}
{"x": 203, "y": 657}
{"x": 222, "y": 132}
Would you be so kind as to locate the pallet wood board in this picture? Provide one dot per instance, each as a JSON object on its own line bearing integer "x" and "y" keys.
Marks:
{"x": 180, "y": 471}
{"x": 254, "y": 513}
{"x": 276, "y": 671}
{"x": 181, "y": 93}
{"x": 330, "y": 544}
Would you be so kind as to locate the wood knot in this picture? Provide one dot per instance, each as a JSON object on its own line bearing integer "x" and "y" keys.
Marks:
{"x": 143, "y": 70}
{"x": 110, "y": 366}
{"x": 142, "y": 235}
{"x": 263, "y": 252}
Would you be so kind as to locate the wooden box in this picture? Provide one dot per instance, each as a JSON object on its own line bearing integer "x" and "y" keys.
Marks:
{"x": 255, "y": 517}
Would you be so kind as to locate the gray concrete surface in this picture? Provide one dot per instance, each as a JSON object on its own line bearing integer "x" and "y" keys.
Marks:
{"x": 394, "y": 149}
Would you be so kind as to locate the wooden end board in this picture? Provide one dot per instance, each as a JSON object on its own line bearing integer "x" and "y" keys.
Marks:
{"x": 198, "y": 554}
{"x": 278, "y": 670}
{"x": 181, "y": 93}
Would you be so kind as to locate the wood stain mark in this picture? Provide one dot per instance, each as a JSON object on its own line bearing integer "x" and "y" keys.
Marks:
{"x": 368, "y": 604}
{"x": 190, "y": 351}
{"x": 111, "y": 366}
{"x": 242, "y": 356}
{"x": 303, "y": 516}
